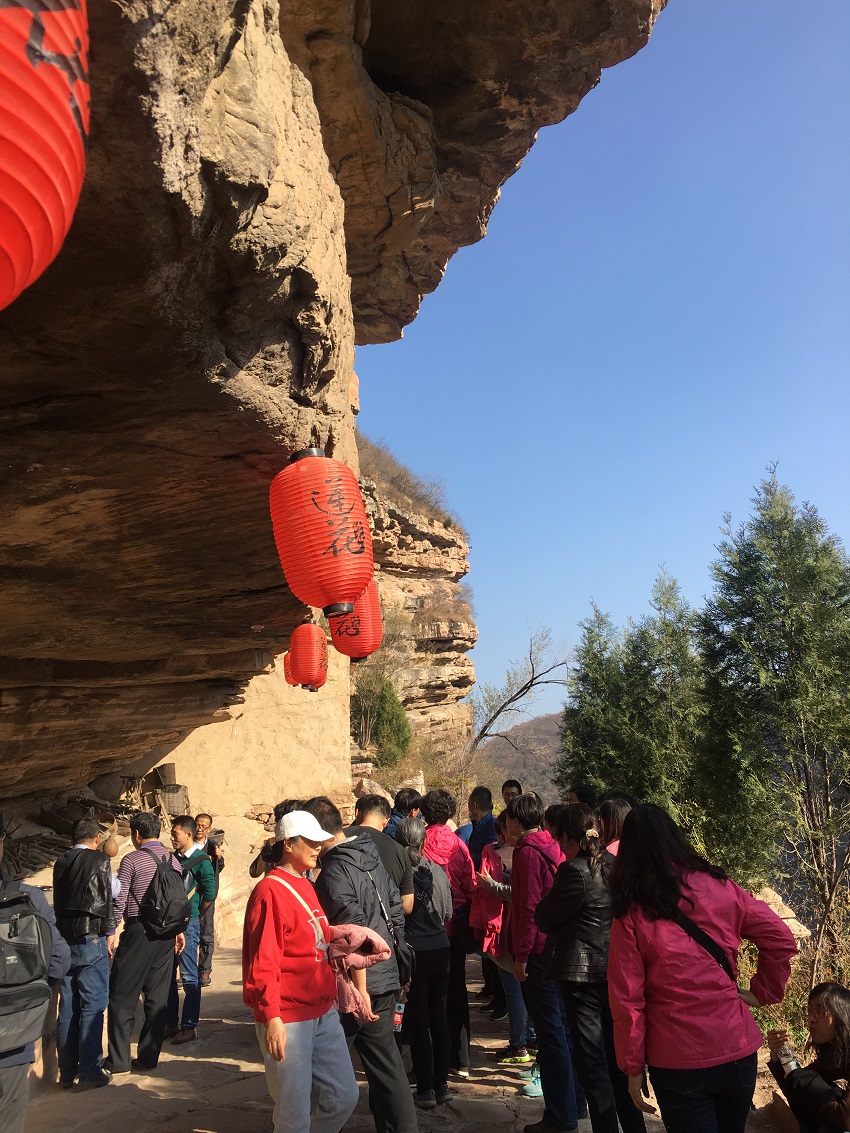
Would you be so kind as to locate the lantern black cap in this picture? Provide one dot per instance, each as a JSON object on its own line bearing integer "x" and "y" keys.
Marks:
{"x": 338, "y": 609}
{"x": 306, "y": 452}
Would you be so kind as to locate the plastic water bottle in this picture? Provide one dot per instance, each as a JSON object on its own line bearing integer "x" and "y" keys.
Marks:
{"x": 398, "y": 1013}
{"x": 788, "y": 1058}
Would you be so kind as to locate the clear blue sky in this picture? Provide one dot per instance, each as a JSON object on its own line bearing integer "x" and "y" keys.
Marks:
{"x": 660, "y": 308}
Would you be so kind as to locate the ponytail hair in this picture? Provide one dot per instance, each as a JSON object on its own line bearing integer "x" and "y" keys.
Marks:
{"x": 578, "y": 823}
{"x": 410, "y": 835}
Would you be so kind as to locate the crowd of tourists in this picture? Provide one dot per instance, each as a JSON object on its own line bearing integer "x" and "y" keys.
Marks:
{"x": 604, "y": 941}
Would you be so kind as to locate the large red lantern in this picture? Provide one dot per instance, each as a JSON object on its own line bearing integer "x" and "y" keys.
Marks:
{"x": 44, "y": 124}
{"x": 359, "y": 633}
{"x": 321, "y": 532}
{"x": 287, "y": 670}
{"x": 308, "y": 656}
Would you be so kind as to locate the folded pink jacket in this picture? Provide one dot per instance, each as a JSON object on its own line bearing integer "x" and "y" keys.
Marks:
{"x": 673, "y": 1005}
{"x": 354, "y": 946}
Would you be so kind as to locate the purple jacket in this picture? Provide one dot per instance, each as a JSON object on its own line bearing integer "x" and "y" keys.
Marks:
{"x": 535, "y": 863}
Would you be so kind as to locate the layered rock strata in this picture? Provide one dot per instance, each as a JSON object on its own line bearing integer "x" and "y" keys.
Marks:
{"x": 264, "y": 182}
{"x": 421, "y": 564}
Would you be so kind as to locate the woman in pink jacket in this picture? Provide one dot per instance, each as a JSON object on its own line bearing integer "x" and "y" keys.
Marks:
{"x": 672, "y": 977}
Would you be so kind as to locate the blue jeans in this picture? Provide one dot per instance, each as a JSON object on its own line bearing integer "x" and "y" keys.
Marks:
{"x": 83, "y": 996}
{"x": 546, "y": 1007}
{"x": 187, "y": 961}
{"x": 316, "y": 1077}
{"x": 520, "y": 1029}
{"x": 714, "y": 1100}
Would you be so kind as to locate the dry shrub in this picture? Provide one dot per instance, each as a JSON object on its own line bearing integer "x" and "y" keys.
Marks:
{"x": 402, "y": 486}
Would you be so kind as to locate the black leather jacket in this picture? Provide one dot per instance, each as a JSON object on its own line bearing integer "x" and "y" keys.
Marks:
{"x": 576, "y": 916}
{"x": 82, "y": 894}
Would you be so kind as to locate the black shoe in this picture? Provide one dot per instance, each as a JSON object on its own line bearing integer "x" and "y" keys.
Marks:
{"x": 140, "y": 1067}
{"x": 206, "y": 979}
{"x": 545, "y": 1127}
{"x": 443, "y": 1094}
{"x": 110, "y": 1069}
{"x": 102, "y": 1078}
{"x": 66, "y": 1083}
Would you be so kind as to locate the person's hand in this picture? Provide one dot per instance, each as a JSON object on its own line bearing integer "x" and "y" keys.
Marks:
{"x": 776, "y": 1039}
{"x": 483, "y": 878}
{"x": 367, "y": 999}
{"x": 276, "y": 1039}
{"x": 639, "y": 1093}
{"x": 217, "y": 851}
{"x": 110, "y": 946}
{"x": 179, "y": 943}
{"x": 747, "y": 997}
{"x": 519, "y": 971}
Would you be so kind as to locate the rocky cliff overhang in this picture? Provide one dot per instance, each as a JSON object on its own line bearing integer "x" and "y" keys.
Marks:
{"x": 245, "y": 161}
{"x": 428, "y": 108}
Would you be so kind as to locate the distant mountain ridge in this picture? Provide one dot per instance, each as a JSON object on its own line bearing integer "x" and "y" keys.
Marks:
{"x": 529, "y": 754}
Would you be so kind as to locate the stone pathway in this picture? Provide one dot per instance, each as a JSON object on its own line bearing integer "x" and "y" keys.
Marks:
{"x": 217, "y": 1085}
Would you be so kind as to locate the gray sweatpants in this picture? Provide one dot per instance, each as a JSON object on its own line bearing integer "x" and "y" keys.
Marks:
{"x": 315, "y": 1080}
{"x": 14, "y": 1095}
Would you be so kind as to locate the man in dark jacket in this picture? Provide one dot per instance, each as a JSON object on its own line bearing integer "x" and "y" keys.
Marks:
{"x": 15, "y": 1063}
{"x": 210, "y": 847}
{"x": 483, "y": 823}
{"x": 405, "y": 805}
{"x": 82, "y": 902}
{"x": 352, "y": 888}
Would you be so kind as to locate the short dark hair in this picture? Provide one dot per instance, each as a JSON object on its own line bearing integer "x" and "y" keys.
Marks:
{"x": 482, "y": 797}
{"x": 406, "y": 800}
{"x": 203, "y": 814}
{"x": 326, "y": 814}
{"x": 512, "y": 783}
{"x": 527, "y": 810}
{"x": 584, "y": 794}
{"x": 287, "y": 807}
{"x": 438, "y": 807}
{"x": 185, "y": 822}
{"x": 85, "y": 829}
{"x": 146, "y": 824}
{"x": 550, "y": 816}
{"x": 368, "y": 804}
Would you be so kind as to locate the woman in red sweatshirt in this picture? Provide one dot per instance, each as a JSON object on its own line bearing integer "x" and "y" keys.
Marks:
{"x": 288, "y": 984}
{"x": 672, "y": 967}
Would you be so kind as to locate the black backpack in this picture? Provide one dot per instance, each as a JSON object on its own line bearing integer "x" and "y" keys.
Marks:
{"x": 165, "y": 909}
{"x": 26, "y": 945}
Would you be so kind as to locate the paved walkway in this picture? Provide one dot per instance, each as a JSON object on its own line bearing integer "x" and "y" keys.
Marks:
{"x": 217, "y": 1085}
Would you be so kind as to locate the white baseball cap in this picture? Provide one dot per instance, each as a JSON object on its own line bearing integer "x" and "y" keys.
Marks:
{"x": 300, "y": 824}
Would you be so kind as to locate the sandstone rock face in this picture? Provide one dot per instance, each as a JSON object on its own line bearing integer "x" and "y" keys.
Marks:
{"x": 422, "y": 562}
{"x": 263, "y": 180}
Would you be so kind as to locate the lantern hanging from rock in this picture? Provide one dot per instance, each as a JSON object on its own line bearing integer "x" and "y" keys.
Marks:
{"x": 321, "y": 532}
{"x": 359, "y": 633}
{"x": 287, "y": 670}
{"x": 308, "y": 656}
{"x": 44, "y": 124}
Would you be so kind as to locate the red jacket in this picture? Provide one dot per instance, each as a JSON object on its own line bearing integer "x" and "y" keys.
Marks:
{"x": 535, "y": 863}
{"x": 673, "y": 1005}
{"x": 285, "y": 969}
{"x": 445, "y": 848}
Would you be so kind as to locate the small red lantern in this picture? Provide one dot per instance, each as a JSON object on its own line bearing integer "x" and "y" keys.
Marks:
{"x": 308, "y": 656}
{"x": 287, "y": 670}
{"x": 44, "y": 124}
{"x": 321, "y": 532}
{"x": 359, "y": 633}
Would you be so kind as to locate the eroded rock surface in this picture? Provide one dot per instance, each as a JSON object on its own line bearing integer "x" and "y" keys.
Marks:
{"x": 421, "y": 564}
{"x": 252, "y": 169}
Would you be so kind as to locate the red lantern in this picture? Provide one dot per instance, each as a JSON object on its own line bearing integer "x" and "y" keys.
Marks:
{"x": 287, "y": 670}
{"x": 44, "y": 125}
{"x": 321, "y": 532}
{"x": 308, "y": 656}
{"x": 361, "y": 632}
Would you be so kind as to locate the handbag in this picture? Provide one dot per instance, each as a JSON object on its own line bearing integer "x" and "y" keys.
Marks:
{"x": 705, "y": 941}
{"x": 405, "y": 957}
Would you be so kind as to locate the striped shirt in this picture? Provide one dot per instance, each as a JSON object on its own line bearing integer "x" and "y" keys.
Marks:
{"x": 135, "y": 873}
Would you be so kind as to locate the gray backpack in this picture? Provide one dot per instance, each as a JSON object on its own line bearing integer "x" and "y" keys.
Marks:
{"x": 26, "y": 945}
